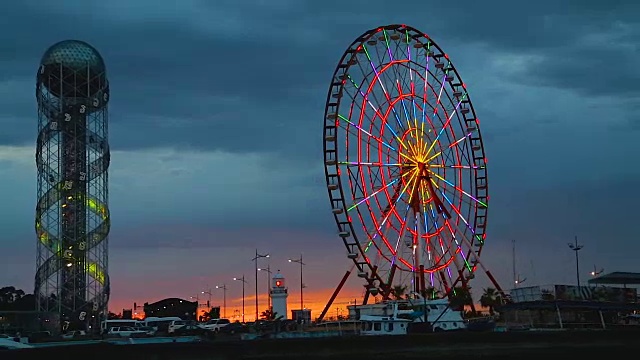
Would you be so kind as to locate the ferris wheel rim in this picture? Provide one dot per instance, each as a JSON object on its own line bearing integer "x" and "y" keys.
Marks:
{"x": 348, "y": 231}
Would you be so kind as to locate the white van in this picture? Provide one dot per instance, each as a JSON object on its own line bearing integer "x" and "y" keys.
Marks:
{"x": 108, "y": 324}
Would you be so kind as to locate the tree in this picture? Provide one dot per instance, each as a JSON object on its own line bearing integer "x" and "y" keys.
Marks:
{"x": 430, "y": 293}
{"x": 9, "y": 297}
{"x": 113, "y": 316}
{"x": 490, "y": 299}
{"x": 399, "y": 291}
{"x": 213, "y": 313}
{"x": 460, "y": 297}
{"x": 269, "y": 314}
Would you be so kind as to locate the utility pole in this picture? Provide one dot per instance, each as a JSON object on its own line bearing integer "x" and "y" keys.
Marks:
{"x": 576, "y": 247}
{"x": 515, "y": 276}
{"x": 255, "y": 261}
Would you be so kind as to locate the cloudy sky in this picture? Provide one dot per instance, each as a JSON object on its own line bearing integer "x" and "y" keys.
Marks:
{"x": 216, "y": 117}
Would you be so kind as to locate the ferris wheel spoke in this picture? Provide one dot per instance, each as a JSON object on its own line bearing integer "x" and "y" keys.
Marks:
{"x": 376, "y": 192}
{"x": 372, "y": 164}
{"x": 397, "y": 73}
{"x": 463, "y": 167}
{"x": 379, "y": 80}
{"x": 448, "y": 122}
{"x": 458, "y": 247}
{"x": 391, "y": 209}
{"x": 365, "y": 98}
{"x": 343, "y": 118}
{"x": 403, "y": 228}
{"x": 453, "y": 186}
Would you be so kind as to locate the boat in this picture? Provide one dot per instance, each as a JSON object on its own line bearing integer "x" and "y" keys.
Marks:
{"x": 439, "y": 315}
{"x": 384, "y": 325}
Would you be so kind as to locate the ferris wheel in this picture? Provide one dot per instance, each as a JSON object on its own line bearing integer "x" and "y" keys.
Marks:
{"x": 405, "y": 165}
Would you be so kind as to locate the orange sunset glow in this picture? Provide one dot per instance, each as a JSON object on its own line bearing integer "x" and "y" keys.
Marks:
{"x": 314, "y": 300}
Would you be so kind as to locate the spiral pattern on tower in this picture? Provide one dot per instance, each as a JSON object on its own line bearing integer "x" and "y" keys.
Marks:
{"x": 72, "y": 157}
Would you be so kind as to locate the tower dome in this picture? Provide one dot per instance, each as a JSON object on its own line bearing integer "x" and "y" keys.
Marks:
{"x": 73, "y": 69}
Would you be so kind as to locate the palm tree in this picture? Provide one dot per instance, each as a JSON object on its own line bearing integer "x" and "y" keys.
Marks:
{"x": 490, "y": 299}
{"x": 430, "y": 293}
{"x": 399, "y": 291}
{"x": 460, "y": 297}
{"x": 213, "y": 313}
{"x": 268, "y": 314}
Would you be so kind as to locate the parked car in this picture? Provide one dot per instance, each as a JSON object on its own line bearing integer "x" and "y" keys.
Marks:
{"x": 189, "y": 329}
{"x": 177, "y": 324}
{"x": 234, "y": 328}
{"x": 125, "y": 331}
{"x": 74, "y": 334}
{"x": 39, "y": 336}
{"x": 151, "y": 331}
{"x": 216, "y": 324}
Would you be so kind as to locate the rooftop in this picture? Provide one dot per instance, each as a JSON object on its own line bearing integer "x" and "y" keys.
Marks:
{"x": 617, "y": 278}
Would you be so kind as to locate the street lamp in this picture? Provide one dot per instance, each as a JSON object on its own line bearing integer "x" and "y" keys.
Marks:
{"x": 224, "y": 299}
{"x": 576, "y": 247}
{"x": 302, "y": 264}
{"x": 268, "y": 271}
{"x": 596, "y": 272}
{"x": 209, "y": 299}
{"x": 255, "y": 262}
{"x": 519, "y": 281}
{"x": 243, "y": 282}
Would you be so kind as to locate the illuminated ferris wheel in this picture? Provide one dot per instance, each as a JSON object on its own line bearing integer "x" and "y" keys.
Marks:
{"x": 405, "y": 165}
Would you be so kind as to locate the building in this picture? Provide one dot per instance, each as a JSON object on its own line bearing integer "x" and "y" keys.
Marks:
{"x": 569, "y": 306}
{"x": 301, "y": 316}
{"x": 186, "y": 310}
{"x": 279, "y": 294}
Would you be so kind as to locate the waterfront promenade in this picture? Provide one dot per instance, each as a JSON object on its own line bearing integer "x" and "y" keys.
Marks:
{"x": 513, "y": 345}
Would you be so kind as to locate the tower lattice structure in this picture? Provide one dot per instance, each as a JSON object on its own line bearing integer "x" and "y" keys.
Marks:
{"x": 72, "y": 157}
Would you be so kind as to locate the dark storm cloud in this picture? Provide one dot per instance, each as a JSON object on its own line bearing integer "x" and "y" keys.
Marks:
{"x": 257, "y": 81}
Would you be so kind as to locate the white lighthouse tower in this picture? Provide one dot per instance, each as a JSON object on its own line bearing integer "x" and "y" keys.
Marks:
{"x": 278, "y": 294}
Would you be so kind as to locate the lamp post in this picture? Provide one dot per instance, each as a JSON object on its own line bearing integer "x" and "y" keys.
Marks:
{"x": 209, "y": 298}
{"x": 302, "y": 264}
{"x": 255, "y": 262}
{"x": 268, "y": 271}
{"x": 224, "y": 298}
{"x": 596, "y": 272}
{"x": 243, "y": 282}
{"x": 576, "y": 247}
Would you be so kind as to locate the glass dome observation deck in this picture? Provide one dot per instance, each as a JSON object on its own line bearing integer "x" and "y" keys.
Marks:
{"x": 72, "y": 69}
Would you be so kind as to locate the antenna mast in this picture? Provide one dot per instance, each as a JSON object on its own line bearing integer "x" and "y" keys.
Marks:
{"x": 515, "y": 276}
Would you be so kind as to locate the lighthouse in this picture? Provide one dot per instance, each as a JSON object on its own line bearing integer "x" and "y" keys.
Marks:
{"x": 278, "y": 294}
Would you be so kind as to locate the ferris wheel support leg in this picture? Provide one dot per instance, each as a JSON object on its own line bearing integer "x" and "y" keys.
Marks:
{"x": 422, "y": 282}
{"x": 386, "y": 288}
{"x": 417, "y": 248}
{"x": 443, "y": 279}
{"x": 334, "y": 295}
{"x": 477, "y": 261}
{"x": 370, "y": 284}
{"x": 495, "y": 283}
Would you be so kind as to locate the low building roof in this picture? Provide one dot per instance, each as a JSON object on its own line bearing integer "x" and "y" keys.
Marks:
{"x": 568, "y": 304}
{"x": 617, "y": 278}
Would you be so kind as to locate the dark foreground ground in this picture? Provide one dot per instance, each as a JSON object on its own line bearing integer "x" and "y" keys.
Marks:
{"x": 513, "y": 345}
